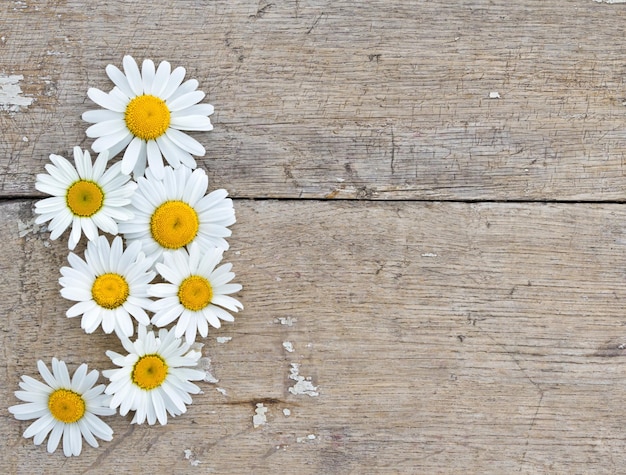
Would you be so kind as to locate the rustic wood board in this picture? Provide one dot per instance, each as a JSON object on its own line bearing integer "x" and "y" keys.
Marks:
{"x": 451, "y": 320}
{"x": 441, "y": 337}
{"x": 384, "y": 99}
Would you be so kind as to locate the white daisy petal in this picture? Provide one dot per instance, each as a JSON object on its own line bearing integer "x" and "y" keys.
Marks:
{"x": 173, "y": 83}
{"x": 161, "y": 79}
{"x": 107, "y": 142}
{"x": 133, "y": 75}
{"x": 191, "y": 122}
{"x": 106, "y": 101}
{"x": 185, "y": 100}
{"x": 119, "y": 79}
{"x": 185, "y": 142}
{"x": 106, "y": 127}
{"x": 147, "y": 75}
{"x": 155, "y": 161}
{"x": 102, "y": 115}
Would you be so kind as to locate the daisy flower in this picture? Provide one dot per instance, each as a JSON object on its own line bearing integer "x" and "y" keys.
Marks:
{"x": 145, "y": 113}
{"x": 154, "y": 378}
{"x": 64, "y": 407}
{"x": 196, "y": 293}
{"x": 175, "y": 212}
{"x": 110, "y": 286}
{"x": 85, "y": 196}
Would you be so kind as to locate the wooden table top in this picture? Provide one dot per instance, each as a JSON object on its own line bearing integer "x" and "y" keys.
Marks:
{"x": 429, "y": 200}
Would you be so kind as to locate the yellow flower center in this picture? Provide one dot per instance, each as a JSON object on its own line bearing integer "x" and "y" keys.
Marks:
{"x": 84, "y": 198}
{"x": 174, "y": 224}
{"x": 149, "y": 372}
{"x": 66, "y": 406}
{"x": 147, "y": 117}
{"x": 195, "y": 293}
{"x": 110, "y": 290}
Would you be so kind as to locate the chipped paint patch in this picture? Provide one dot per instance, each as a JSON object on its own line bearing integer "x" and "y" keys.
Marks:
{"x": 494, "y": 95}
{"x": 308, "y": 438}
{"x": 259, "y": 418}
{"x": 610, "y": 1}
{"x": 189, "y": 455}
{"x": 11, "y": 99}
{"x": 429, "y": 254}
{"x": 303, "y": 385}
{"x": 288, "y": 346}
{"x": 222, "y": 391}
{"x": 29, "y": 226}
{"x": 204, "y": 364}
{"x": 286, "y": 412}
{"x": 289, "y": 321}
{"x": 224, "y": 339}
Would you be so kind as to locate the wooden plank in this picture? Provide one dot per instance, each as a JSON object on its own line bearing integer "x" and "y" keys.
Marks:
{"x": 441, "y": 337}
{"x": 384, "y": 99}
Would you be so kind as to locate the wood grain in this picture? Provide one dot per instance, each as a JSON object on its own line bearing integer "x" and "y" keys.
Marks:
{"x": 378, "y": 100}
{"x": 442, "y": 338}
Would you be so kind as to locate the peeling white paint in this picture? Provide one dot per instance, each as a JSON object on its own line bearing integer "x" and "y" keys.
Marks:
{"x": 222, "y": 391}
{"x": 29, "y": 226}
{"x": 288, "y": 346}
{"x": 259, "y": 418}
{"x": 286, "y": 412}
{"x": 429, "y": 254}
{"x": 610, "y": 1}
{"x": 494, "y": 95}
{"x": 224, "y": 339}
{"x": 10, "y": 94}
{"x": 189, "y": 455}
{"x": 289, "y": 321}
{"x": 300, "y": 440}
{"x": 303, "y": 385}
{"x": 204, "y": 364}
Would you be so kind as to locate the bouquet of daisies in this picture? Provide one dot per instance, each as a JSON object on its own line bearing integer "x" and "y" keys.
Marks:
{"x": 159, "y": 283}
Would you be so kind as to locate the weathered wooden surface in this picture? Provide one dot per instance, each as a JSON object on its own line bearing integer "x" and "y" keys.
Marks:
{"x": 442, "y": 336}
{"x": 379, "y": 99}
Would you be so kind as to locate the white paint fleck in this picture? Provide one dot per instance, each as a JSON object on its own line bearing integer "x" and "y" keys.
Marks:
{"x": 610, "y": 1}
{"x": 286, "y": 412}
{"x": 259, "y": 418}
{"x": 29, "y": 226}
{"x": 24, "y": 139}
{"x": 10, "y": 90}
{"x": 300, "y": 440}
{"x": 278, "y": 279}
{"x": 429, "y": 254}
{"x": 222, "y": 391}
{"x": 204, "y": 364}
{"x": 224, "y": 339}
{"x": 288, "y": 346}
{"x": 289, "y": 321}
{"x": 303, "y": 385}
{"x": 494, "y": 95}
{"x": 340, "y": 180}
{"x": 189, "y": 455}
